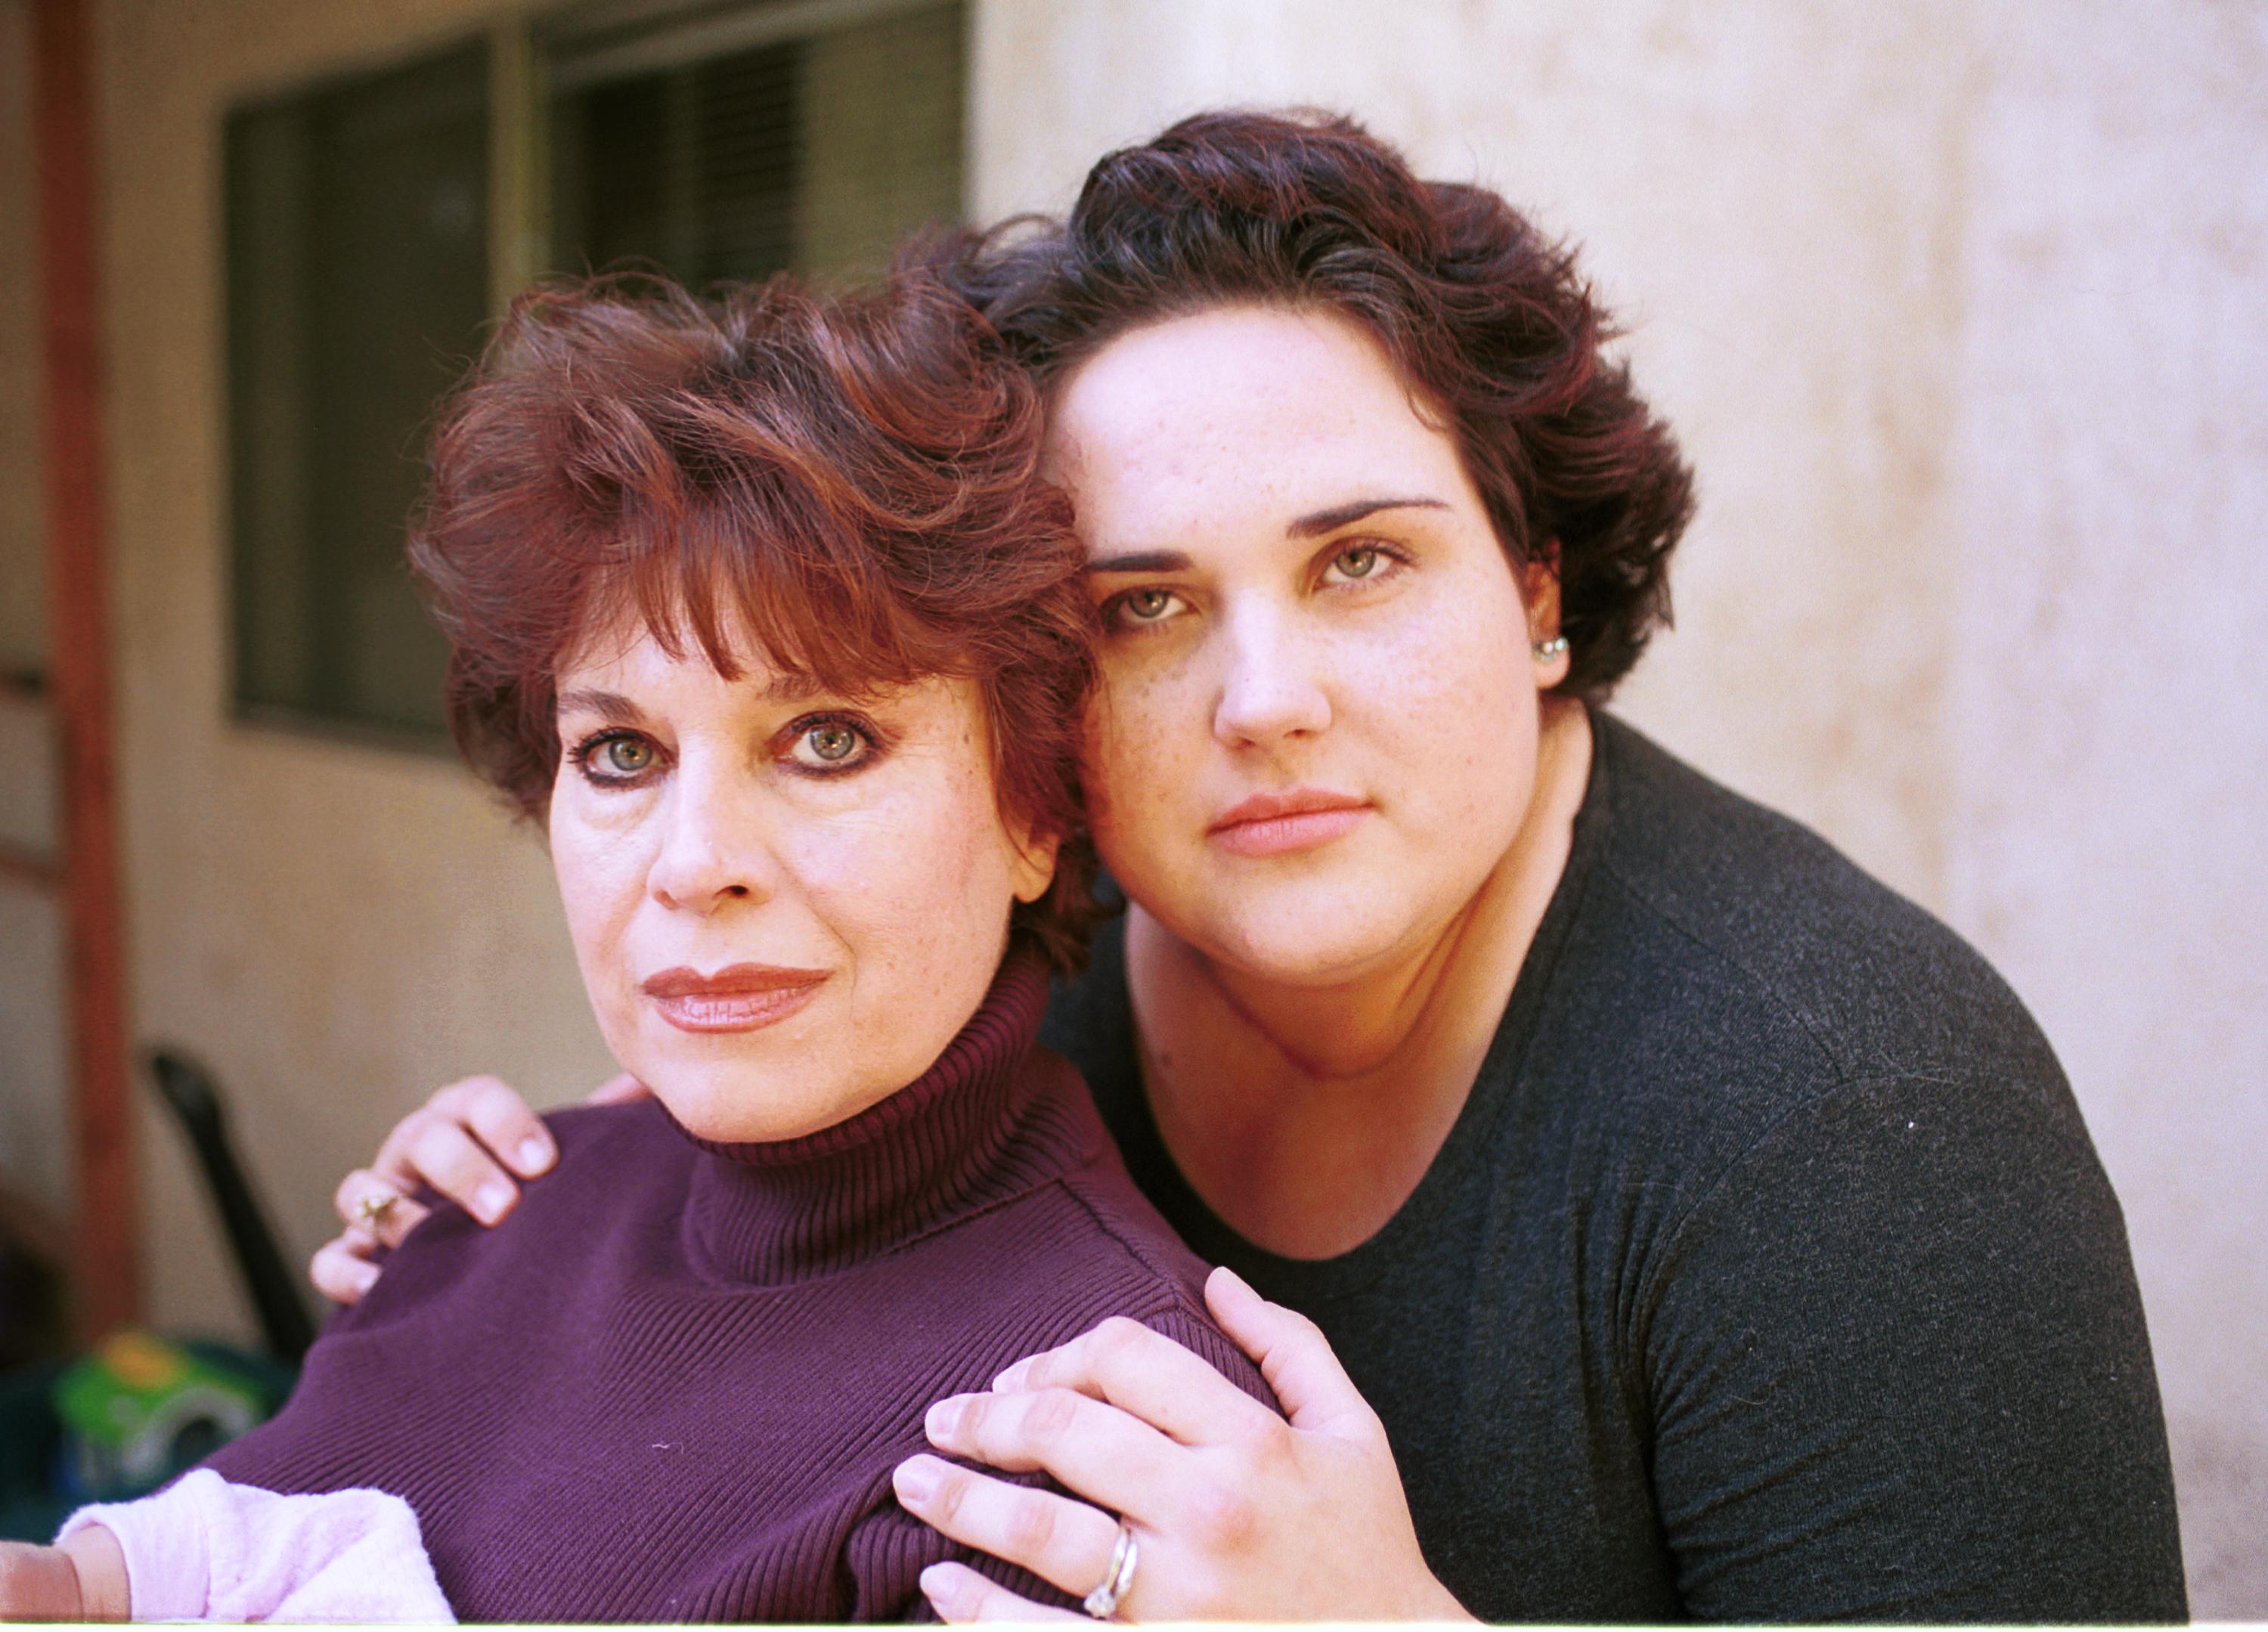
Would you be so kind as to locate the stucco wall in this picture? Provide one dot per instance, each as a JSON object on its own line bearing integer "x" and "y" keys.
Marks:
{"x": 1959, "y": 311}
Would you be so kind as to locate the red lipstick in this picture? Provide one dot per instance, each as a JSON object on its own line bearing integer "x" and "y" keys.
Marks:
{"x": 1283, "y": 823}
{"x": 741, "y": 997}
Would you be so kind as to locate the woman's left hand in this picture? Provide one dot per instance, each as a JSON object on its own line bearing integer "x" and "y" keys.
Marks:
{"x": 1236, "y": 1514}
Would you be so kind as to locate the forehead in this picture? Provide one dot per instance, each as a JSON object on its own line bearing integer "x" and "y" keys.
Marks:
{"x": 1241, "y": 415}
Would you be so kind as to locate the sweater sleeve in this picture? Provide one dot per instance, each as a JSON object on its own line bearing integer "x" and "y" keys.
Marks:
{"x": 205, "y": 1549}
{"x": 1898, "y": 1370}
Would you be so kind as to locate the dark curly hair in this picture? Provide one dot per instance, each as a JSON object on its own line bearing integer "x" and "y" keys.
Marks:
{"x": 855, "y": 477}
{"x": 1487, "y": 319}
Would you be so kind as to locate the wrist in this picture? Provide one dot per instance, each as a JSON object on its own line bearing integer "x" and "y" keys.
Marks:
{"x": 98, "y": 1564}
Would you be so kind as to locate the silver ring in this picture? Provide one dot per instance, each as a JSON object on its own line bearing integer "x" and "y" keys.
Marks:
{"x": 1118, "y": 1580}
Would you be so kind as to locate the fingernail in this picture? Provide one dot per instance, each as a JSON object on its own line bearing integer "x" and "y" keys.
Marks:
{"x": 489, "y": 1201}
{"x": 935, "y": 1581}
{"x": 1012, "y": 1378}
{"x": 535, "y": 1154}
{"x": 915, "y": 1481}
{"x": 1234, "y": 1281}
{"x": 943, "y": 1418}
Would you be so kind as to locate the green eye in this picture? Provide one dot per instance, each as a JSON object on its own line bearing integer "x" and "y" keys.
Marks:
{"x": 626, "y": 756}
{"x": 832, "y": 744}
{"x": 1358, "y": 562}
{"x": 1138, "y": 607}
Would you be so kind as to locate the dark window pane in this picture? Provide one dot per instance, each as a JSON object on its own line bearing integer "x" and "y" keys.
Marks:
{"x": 816, "y": 152}
{"x": 358, "y": 248}
{"x": 691, "y": 170}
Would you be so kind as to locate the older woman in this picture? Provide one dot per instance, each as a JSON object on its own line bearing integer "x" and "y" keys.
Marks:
{"x": 762, "y": 611}
{"x": 1688, "y": 1225}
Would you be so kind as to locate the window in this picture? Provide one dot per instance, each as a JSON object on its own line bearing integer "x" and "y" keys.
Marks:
{"x": 375, "y": 223}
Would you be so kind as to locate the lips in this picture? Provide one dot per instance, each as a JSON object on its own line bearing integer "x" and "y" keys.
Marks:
{"x": 742, "y": 997}
{"x": 1281, "y": 823}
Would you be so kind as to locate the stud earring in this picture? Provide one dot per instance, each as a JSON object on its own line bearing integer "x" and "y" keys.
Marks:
{"x": 1547, "y": 650}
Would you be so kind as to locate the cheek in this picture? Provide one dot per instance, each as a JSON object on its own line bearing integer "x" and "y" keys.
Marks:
{"x": 1145, "y": 732}
{"x": 601, "y": 878}
{"x": 902, "y": 884}
{"x": 1452, "y": 701}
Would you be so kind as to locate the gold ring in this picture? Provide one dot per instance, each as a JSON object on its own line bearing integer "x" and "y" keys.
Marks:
{"x": 371, "y": 1211}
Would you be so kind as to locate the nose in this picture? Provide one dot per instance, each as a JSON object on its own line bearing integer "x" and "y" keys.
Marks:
{"x": 1271, "y": 687}
{"x": 715, "y": 849}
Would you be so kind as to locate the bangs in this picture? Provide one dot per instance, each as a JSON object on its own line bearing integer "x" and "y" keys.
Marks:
{"x": 752, "y": 578}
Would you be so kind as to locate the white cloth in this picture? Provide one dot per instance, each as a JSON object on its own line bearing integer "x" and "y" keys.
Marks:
{"x": 204, "y": 1549}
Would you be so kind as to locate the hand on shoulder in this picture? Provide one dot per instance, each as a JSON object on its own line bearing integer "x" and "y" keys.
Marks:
{"x": 474, "y": 1142}
{"x": 1231, "y": 1512}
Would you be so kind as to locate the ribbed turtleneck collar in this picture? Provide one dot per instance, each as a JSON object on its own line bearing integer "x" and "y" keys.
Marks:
{"x": 944, "y": 1143}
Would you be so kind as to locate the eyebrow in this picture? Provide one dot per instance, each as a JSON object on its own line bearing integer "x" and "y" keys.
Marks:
{"x": 1142, "y": 561}
{"x": 1317, "y": 523}
{"x": 1314, "y": 525}
{"x": 607, "y": 705}
{"x": 615, "y": 708}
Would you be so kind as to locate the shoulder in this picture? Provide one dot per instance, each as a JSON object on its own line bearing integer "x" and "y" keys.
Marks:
{"x": 1754, "y": 940}
{"x": 1086, "y": 1245}
{"x": 1875, "y": 1256}
{"x": 615, "y": 1161}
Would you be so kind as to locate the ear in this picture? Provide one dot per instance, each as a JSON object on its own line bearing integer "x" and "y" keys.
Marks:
{"x": 1539, "y": 598}
{"x": 1035, "y": 866}
{"x": 1539, "y": 594}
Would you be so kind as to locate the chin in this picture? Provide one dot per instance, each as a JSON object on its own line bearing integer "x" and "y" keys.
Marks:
{"x": 745, "y": 1105}
{"x": 1297, "y": 943}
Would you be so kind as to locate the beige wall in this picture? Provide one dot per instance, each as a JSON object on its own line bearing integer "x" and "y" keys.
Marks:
{"x": 1959, "y": 311}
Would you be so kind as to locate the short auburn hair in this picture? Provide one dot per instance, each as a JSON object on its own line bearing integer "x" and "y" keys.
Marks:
{"x": 1486, "y": 320}
{"x": 855, "y": 477}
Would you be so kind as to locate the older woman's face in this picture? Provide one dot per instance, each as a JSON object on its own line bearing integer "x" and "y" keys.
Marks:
{"x": 785, "y": 903}
{"x": 1317, "y": 726}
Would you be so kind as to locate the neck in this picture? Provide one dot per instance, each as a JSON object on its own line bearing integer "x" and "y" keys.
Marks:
{"x": 1296, "y": 1093}
{"x": 962, "y": 1133}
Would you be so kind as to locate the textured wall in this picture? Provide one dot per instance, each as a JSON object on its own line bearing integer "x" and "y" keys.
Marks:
{"x": 1959, "y": 310}
{"x": 2109, "y": 474}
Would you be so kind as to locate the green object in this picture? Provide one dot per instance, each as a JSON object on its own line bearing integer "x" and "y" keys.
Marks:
{"x": 139, "y": 1409}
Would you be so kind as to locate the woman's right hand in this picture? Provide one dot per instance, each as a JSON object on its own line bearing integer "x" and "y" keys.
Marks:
{"x": 473, "y": 1141}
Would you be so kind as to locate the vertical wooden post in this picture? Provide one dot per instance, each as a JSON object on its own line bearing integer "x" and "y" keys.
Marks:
{"x": 105, "y": 1277}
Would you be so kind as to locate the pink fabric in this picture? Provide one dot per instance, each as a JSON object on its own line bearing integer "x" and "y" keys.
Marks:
{"x": 204, "y": 1549}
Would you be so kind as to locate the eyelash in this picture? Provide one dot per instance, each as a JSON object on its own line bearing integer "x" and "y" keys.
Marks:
{"x": 1113, "y": 609}
{"x": 863, "y": 729}
{"x": 1393, "y": 554}
{"x": 581, "y": 755}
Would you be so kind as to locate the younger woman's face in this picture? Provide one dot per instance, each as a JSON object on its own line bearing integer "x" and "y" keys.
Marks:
{"x": 1317, "y": 725}
{"x": 785, "y": 903}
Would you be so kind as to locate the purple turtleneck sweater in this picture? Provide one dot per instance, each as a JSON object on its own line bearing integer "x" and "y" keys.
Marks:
{"x": 674, "y": 1383}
